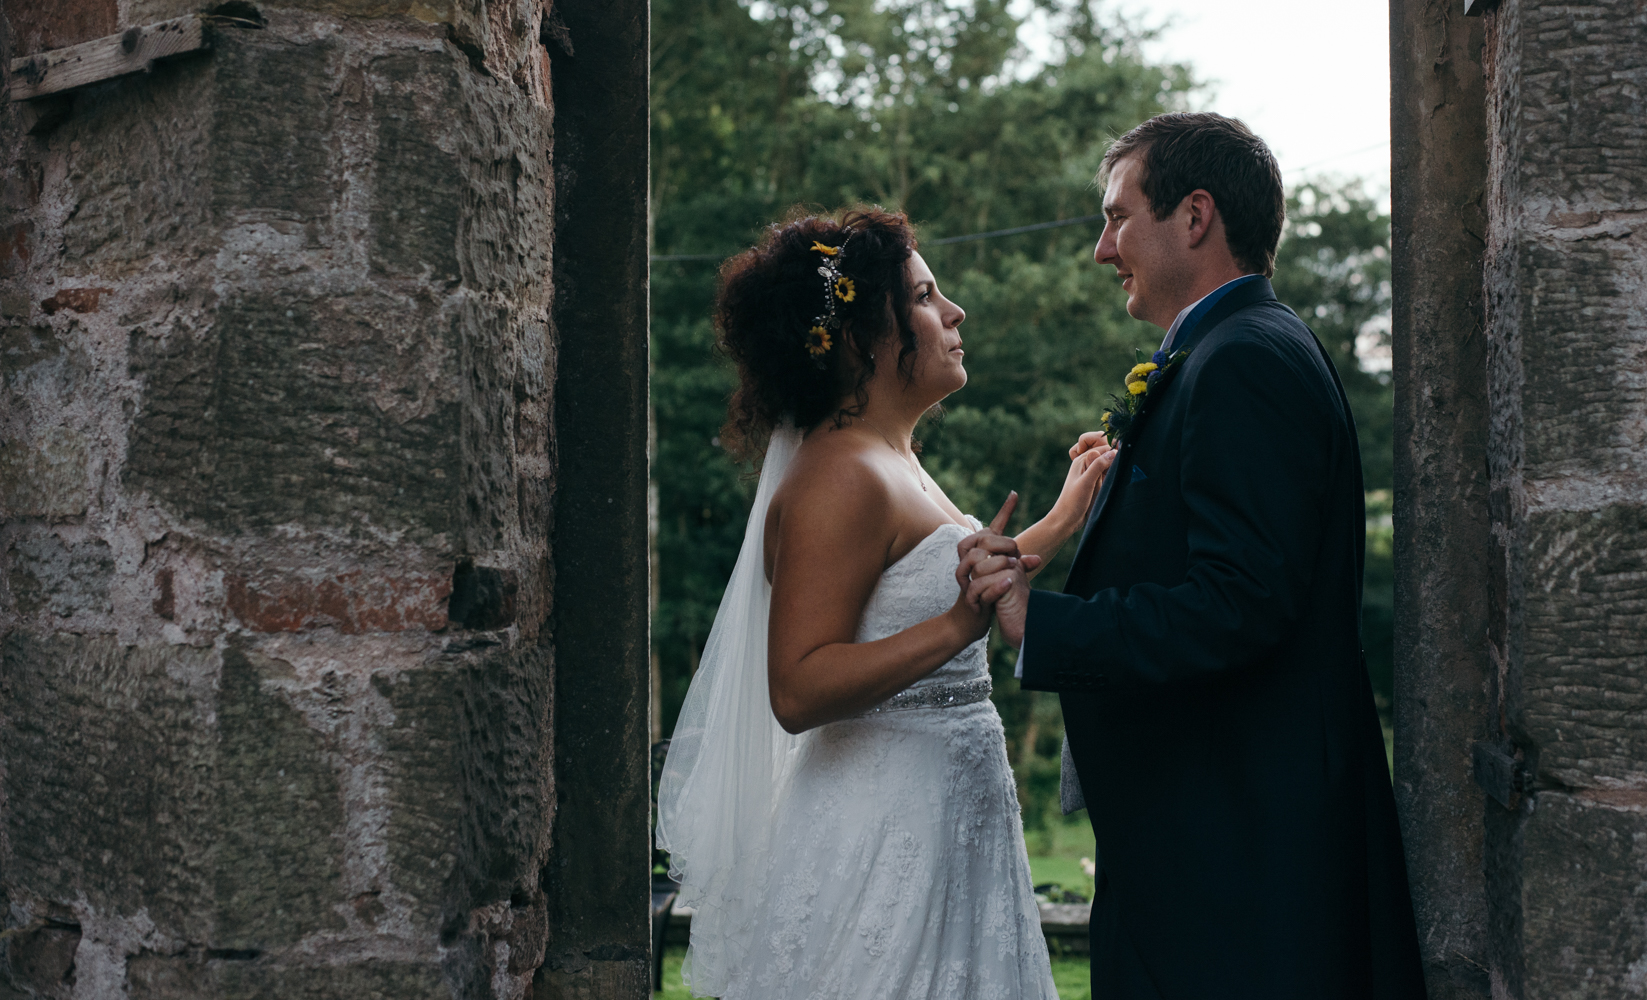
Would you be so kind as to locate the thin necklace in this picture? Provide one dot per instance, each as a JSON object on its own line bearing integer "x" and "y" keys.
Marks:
{"x": 913, "y": 461}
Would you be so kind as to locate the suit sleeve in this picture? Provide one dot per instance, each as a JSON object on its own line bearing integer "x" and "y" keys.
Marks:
{"x": 1255, "y": 458}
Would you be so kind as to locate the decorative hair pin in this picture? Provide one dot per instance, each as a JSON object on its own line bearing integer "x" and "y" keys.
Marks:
{"x": 837, "y": 288}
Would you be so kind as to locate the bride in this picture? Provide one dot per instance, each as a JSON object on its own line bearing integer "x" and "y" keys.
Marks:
{"x": 837, "y": 802}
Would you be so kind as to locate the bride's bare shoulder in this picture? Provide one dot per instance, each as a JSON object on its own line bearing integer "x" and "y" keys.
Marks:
{"x": 835, "y": 472}
{"x": 835, "y": 500}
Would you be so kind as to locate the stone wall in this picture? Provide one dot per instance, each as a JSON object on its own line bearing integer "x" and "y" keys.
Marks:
{"x": 1567, "y": 331}
{"x": 276, "y": 477}
{"x": 1552, "y": 594}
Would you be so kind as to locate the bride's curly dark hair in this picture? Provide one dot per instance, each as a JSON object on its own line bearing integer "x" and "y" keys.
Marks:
{"x": 769, "y": 295}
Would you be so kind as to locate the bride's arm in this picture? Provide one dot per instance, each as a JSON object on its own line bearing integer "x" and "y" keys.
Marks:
{"x": 833, "y": 538}
{"x": 1091, "y": 459}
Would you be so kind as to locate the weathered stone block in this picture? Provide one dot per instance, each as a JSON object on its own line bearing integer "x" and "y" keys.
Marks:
{"x": 470, "y": 792}
{"x": 80, "y": 300}
{"x": 15, "y": 248}
{"x": 1579, "y": 88}
{"x": 134, "y": 785}
{"x": 166, "y": 977}
{"x": 1584, "y": 404}
{"x": 488, "y": 414}
{"x": 65, "y": 578}
{"x": 39, "y": 963}
{"x": 44, "y": 477}
{"x": 419, "y": 192}
{"x": 1584, "y": 912}
{"x": 109, "y": 771}
{"x": 326, "y": 413}
{"x": 272, "y": 132}
{"x": 350, "y": 602}
{"x": 277, "y": 859}
{"x": 137, "y": 183}
{"x": 1584, "y": 673}
{"x": 39, "y": 27}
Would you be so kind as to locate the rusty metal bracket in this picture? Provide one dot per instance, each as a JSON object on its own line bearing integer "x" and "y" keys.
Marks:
{"x": 1500, "y": 772}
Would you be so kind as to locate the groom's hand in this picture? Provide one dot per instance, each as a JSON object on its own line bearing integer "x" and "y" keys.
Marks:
{"x": 989, "y": 552}
{"x": 1009, "y": 589}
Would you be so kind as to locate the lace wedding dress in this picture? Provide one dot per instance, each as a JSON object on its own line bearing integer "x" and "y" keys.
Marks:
{"x": 880, "y": 857}
{"x": 898, "y": 862}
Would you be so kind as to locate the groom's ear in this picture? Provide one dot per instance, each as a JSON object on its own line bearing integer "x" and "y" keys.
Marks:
{"x": 1201, "y": 215}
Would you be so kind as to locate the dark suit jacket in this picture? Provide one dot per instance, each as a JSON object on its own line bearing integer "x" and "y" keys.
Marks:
{"x": 1207, "y": 651}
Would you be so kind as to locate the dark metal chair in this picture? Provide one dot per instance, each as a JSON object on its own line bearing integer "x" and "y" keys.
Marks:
{"x": 664, "y": 891}
{"x": 664, "y": 888}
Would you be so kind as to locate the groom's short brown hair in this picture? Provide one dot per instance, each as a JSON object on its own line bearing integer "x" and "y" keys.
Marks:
{"x": 1185, "y": 151}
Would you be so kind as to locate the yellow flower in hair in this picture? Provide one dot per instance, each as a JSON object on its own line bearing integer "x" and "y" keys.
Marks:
{"x": 828, "y": 251}
{"x": 818, "y": 342}
{"x": 1138, "y": 388}
{"x": 845, "y": 290}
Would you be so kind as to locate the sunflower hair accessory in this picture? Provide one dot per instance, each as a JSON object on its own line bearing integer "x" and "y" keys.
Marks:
{"x": 838, "y": 288}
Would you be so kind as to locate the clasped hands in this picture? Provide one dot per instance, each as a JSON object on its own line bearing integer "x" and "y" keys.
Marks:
{"x": 993, "y": 570}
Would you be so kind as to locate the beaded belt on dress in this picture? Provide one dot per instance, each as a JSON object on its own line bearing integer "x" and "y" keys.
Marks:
{"x": 936, "y": 696}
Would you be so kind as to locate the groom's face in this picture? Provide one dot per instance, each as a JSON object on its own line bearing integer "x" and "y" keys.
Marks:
{"x": 1148, "y": 254}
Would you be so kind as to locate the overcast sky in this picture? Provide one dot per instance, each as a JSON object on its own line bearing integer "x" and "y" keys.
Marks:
{"x": 1310, "y": 76}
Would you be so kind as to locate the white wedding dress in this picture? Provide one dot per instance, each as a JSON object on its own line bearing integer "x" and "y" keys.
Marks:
{"x": 880, "y": 857}
{"x": 898, "y": 858}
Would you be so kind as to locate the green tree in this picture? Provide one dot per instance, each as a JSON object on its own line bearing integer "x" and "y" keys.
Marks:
{"x": 1334, "y": 268}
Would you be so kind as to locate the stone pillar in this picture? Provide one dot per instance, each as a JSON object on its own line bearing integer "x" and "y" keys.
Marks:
{"x": 1566, "y": 838}
{"x": 1438, "y": 127}
{"x": 598, "y": 881}
{"x": 276, "y": 479}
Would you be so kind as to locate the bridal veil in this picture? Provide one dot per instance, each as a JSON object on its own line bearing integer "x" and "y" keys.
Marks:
{"x": 729, "y": 760}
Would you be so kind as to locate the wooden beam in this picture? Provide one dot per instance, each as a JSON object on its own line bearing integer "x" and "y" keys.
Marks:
{"x": 131, "y": 51}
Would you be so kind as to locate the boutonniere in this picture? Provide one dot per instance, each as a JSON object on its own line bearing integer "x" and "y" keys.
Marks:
{"x": 1146, "y": 377}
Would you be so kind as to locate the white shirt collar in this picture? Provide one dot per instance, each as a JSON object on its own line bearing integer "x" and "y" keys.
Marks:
{"x": 1172, "y": 331}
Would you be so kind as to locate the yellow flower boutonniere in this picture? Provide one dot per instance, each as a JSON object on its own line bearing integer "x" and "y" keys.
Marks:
{"x": 1144, "y": 377}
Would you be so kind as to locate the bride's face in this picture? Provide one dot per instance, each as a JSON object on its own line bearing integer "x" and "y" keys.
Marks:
{"x": 936, "y": 323}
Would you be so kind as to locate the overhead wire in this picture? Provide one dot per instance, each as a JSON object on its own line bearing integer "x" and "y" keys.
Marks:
{"x": 664, "y": 258}
{"x": 947, "y": 240}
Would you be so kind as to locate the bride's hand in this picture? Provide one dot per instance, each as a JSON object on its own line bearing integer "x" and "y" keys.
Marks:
{"x": 988, "y": 552}
{"x": 1091, "y": 458}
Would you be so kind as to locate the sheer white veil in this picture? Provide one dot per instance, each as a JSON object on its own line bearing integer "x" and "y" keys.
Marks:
{"x": 729, "y": 760}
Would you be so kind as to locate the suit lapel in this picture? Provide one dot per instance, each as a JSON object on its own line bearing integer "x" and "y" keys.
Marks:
{"x": 1236, "y": 299}
{"x": 1103, "y": 495}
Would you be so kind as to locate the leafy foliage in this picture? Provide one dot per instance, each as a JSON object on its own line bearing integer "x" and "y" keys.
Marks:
{"x": 933, "y": 108}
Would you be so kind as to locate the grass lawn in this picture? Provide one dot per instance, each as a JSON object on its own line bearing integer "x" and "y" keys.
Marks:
{"x": 673, "y": 988}
{"x": 1069, "y": 974}
{"x": 1055, "y": 853}
{"x": 1073, "y": 977}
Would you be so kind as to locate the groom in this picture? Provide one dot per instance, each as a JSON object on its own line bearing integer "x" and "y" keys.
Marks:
{"x": 1206, "y": 646}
